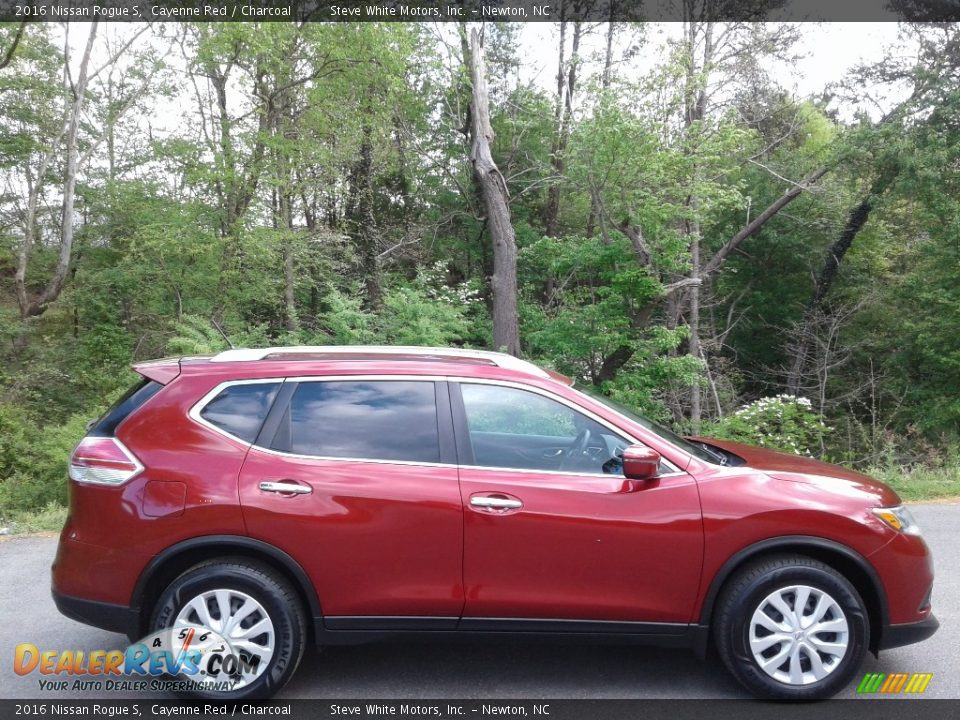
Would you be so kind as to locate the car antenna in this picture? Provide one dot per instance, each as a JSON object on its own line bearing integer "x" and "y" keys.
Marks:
{"x": 220, "y": 330}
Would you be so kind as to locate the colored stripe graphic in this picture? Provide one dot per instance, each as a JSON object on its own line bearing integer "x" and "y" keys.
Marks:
{"x": 871, "y": 682}
{"x": 918, "y": 683}
{"x": 894, "y": 683}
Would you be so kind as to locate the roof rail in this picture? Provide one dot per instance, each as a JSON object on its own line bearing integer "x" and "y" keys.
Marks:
{"x": 508, "y": 362}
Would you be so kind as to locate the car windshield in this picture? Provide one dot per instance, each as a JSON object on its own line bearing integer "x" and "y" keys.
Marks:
{"x": 687, "y": 446}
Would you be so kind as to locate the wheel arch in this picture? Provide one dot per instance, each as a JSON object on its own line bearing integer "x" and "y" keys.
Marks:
{"x": 845, "y": 560}
{"x": 178, "y": 558}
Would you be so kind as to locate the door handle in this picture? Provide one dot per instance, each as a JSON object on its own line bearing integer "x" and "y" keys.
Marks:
{"x": 285, "y": 487}
{"x": 496, "y": 503}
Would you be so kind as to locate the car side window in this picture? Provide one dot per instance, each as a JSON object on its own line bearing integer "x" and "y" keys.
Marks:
{"x": 514, "y": 428}
{"x": 365, "y": 420}
{"x": 241, "y": 409}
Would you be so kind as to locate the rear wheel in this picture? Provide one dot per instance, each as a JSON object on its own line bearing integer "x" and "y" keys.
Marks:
{"x": 791, "y": 628}
{"x": 252, "y": 608}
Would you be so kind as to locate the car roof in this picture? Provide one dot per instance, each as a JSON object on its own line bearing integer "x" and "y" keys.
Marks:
{"x": 330, "y": 359}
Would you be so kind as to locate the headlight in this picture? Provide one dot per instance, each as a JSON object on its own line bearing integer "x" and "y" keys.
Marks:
{"x": 898, "y": 518}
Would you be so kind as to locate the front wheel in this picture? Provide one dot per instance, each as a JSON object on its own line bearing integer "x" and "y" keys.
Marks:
{"x": 255, "y": 623}
{"x": 791, "y": 628}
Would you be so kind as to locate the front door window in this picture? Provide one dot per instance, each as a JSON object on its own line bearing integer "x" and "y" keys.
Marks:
{"x": 513, "y": 428}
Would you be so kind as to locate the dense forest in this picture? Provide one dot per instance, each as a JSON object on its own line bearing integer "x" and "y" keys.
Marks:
{"x": 659, "y": 217}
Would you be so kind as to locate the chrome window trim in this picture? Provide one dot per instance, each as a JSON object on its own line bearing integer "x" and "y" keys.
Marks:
{"x": 198, "y": 407}
{"x": 201, "y": 404}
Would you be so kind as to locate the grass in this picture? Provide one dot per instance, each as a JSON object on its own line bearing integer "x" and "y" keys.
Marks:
{"x": 920, "y": 483}
{"x": 50, "y": 519}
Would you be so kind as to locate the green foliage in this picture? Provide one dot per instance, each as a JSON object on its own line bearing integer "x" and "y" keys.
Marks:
{"x": 409, "y": 318}
{"x": 195, "y": 336}
{"x": 33, "y": 460}
{"x": 247, "y": 212}
{"x": 782, "y": 422}
{"x": 50, "y": 518}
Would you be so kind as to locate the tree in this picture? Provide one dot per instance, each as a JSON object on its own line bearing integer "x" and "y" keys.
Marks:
{"x": 493, "y": 189}
{"x": 7, "y": 55}
{"x": 66, "y": 143}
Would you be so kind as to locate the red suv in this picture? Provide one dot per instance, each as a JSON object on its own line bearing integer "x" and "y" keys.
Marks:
{"x": 345, "y": 494}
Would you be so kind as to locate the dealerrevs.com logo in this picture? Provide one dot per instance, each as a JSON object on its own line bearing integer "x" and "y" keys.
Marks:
{"x": 894, "y": 683}
{"x": 174, "y": 659}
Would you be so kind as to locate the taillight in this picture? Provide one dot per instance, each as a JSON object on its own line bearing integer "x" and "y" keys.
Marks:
{"x": 104, "y": 461}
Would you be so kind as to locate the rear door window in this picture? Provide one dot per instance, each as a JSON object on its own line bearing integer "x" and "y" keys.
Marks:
{"x": 364, "y": 420}
{"x": 240, "y": 410}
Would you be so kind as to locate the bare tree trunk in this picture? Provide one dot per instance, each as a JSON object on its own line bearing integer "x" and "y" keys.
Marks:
{"x": 605, "y": 84}
{"x": 563, "y": 119}
{"x": 493, "y": 189}
{"x": 608, "y": 56}
{"x": 52, "y": 290}
{"x": 695, "y": 94}
{"x": 755, "y": 225}
{"x": 856, "y": 220}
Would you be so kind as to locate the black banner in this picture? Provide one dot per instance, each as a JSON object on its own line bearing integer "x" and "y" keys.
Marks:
{"x": 474, "y": 10}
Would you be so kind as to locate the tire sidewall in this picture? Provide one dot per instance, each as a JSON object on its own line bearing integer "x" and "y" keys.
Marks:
{"x": 745, "y": 667}
{"x": 287, "y": 624}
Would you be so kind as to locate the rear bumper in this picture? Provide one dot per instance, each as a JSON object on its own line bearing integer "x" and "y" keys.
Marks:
{"x": 115, "y": 618}
{"x": 908, "y": 633}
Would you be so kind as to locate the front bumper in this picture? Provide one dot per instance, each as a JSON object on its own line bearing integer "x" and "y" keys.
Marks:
{"x": 894, "y": 636}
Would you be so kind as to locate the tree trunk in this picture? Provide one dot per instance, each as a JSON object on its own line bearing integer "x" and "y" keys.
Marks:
{"x": 696, "y": 108}
{"x": 856, "y": 220}
{"x": 238, "y": 181}
{"x": 563, "y": 119}
{"x": 72, "y": 152}
{"x": 493, "y": 189}
{"x": 694, "y": 319}
{"x": 605, "y": 84}
{"x": 289, "y": 280}
{"x": 362, "y": 226}
{"x": 8, "y": 55}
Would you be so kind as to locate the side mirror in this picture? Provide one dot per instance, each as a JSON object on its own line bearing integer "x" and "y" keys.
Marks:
{"x": 640, "y": 462}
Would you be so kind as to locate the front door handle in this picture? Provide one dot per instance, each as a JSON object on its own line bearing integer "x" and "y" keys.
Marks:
{"x": 495, "y": 503}
{"x": 285, "y": 487}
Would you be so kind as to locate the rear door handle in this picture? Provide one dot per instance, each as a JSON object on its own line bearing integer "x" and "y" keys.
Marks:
{"x": 495, "y": 503}
{"x": 286, "y": 487}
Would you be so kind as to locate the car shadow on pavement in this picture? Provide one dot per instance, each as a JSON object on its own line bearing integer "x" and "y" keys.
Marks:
{"x": 507, "y": 669}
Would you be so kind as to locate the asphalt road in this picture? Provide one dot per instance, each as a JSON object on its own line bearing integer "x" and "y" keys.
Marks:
{"x": 466, "y": 670}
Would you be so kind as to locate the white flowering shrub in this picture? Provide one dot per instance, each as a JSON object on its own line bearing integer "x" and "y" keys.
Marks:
{"x": 782, "y": 422}
{"x": 432, "y": 280}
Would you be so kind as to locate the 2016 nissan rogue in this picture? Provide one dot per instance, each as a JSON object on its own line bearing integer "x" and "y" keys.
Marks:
{"x": 343, "y": 494}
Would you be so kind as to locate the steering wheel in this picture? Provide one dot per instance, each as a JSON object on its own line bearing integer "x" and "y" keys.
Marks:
{"x": 576, "y": 448}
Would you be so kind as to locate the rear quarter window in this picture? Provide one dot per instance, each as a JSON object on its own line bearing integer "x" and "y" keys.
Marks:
{"x": 240, "y": 410}
{"x": 136, "y": 396}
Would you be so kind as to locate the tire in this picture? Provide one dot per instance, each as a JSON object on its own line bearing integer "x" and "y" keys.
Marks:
{"x": 749, "y": 628}
{"x": 273, "y": 599}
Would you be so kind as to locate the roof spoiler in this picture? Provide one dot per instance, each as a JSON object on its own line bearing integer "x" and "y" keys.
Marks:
{"x": 161, "y": 371}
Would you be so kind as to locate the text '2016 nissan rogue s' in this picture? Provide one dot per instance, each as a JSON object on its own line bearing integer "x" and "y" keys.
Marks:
{"x": 343, "y": 494}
